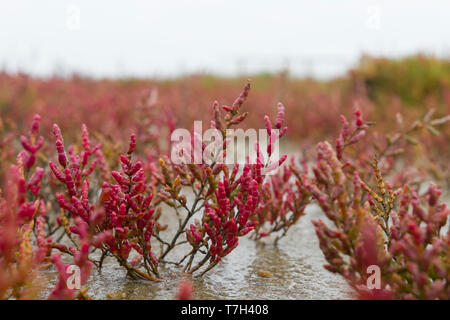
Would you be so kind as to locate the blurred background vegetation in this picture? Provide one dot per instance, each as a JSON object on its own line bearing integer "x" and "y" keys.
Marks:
{"x": 381, "y": 87}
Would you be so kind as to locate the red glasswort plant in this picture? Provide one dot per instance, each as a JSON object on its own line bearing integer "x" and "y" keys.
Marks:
{"x": 131, "y": 217}
{"x": 23, "y": 243}
{"x": 233, "y": 203}
{"x": 78, "y": 216}
{"x": 281, "y": 202}
{"x": 409, "y": 245}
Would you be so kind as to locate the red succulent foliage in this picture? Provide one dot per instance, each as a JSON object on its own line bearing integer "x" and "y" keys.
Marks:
{"x": 23, "y": 242}
{"x": 406, "y": 242}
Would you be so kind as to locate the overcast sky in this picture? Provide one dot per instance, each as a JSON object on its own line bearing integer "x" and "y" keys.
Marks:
{"x": 323, "y": 38}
